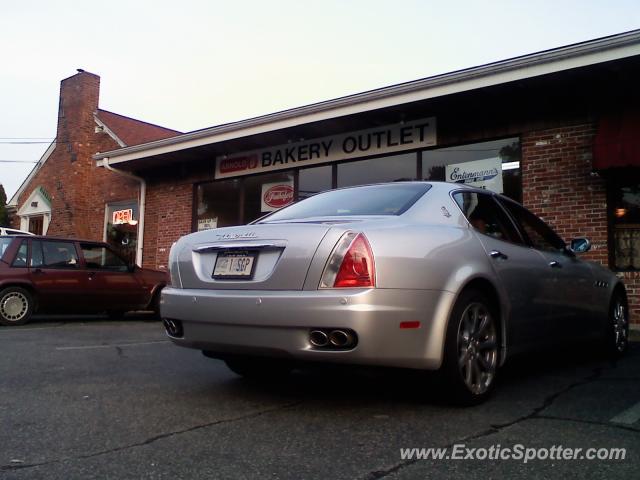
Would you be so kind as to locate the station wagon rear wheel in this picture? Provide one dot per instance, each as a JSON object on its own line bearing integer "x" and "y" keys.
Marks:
{"x": 471, "y": 349}
{"x": 16, "y": 306}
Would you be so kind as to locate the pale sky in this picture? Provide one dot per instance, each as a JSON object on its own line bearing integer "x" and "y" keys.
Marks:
{"x": 194, "y": 64}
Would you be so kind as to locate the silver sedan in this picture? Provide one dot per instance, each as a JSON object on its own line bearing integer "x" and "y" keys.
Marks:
{"x": 419, "y": 275}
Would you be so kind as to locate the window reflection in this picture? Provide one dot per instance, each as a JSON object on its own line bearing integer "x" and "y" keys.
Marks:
{"x": 314, "y": 180}
{"x": 506, "y": 152}
{"x": 218, "y": 204}
{"x": 377, "y": 170}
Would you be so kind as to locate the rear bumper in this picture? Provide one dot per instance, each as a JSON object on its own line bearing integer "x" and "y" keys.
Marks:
{"x": 277, "y": 323}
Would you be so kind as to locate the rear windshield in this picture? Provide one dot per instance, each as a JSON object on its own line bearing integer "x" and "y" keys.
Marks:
{"x": 4, "y": 244}
{"x": 393, "y": 199}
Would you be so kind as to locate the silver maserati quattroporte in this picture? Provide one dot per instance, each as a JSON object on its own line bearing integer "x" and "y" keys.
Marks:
{"x": 418, "y": 275}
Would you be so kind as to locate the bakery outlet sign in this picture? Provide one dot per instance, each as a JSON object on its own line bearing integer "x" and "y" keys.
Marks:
{"x": 375, "y": 141}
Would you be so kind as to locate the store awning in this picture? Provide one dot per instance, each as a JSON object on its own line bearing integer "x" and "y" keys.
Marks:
{"x": 617, "y": 142}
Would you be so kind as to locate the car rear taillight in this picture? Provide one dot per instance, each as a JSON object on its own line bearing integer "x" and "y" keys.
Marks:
{"x": 174, "y": 276}
{"x": 350, "y": 264}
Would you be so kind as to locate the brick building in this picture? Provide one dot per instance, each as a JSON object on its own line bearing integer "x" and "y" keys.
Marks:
{"x": 66, "y": 194}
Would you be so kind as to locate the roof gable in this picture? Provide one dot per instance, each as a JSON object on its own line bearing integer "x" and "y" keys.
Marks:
{"x": 45, "y": 156}
{"x": 39, "y": 202}
{"x": 131, "y": 131}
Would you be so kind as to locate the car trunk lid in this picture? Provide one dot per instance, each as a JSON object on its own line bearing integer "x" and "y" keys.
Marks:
{"x": 252, "y": 257}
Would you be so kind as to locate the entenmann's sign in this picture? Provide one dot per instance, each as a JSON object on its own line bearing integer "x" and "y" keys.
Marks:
{"x": 375, "y": 141}
{"x": 485, "y": 173}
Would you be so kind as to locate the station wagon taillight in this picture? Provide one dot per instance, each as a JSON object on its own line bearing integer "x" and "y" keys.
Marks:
{"x": 350, "y": 264}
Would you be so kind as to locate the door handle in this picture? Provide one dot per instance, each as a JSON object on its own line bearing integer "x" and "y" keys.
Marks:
{"x": 554, "y": 264}
{"x": 498, "y": 254}
{"x": 91, "y": 275}
{"x": 38, "y": 270}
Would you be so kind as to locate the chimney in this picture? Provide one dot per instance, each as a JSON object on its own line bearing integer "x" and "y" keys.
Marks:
{"x": 79, "y": 96}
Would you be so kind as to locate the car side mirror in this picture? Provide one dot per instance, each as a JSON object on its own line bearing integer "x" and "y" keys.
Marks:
{"x": 580, "y": 245}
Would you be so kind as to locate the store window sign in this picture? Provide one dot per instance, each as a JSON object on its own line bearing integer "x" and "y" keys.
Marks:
{"x": 207, "y": 223}
{"x": 486, "y": 173}
{"x": 276, "y": 195}
{"x": 120, "y": 217}
{"x": 374, "y": 141}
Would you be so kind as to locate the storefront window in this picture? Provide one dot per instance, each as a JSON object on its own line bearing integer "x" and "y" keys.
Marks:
{"x": 475, "y": 163}
{"x": 122, "y": 228}
{"x": 266, "y": 193}
{"x": 377, "y": 170}
{"x": 625, "y": 206}
{"x": 243, "y": 199}
{"x": 218, "y": 204}
{"x": 314, "y": 180}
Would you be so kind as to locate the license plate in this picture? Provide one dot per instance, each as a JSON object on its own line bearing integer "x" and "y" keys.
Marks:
{"x": 230, "y": 265}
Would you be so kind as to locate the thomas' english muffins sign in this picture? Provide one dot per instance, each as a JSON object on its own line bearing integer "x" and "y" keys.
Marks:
{"x": 276, "y": 195}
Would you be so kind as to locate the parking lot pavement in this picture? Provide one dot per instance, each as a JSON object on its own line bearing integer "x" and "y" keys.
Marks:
{"x": 89, "y": 398}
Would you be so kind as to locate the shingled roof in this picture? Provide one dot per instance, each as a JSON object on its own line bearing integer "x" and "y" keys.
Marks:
{"x": 131, "y": 131}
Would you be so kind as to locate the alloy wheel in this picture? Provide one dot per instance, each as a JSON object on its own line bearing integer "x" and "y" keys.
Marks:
{"x": 477, "y": 348}
{"x": 620, "y": 325}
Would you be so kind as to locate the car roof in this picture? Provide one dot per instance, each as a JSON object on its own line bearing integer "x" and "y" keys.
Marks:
{"x": 51, "y": 237}
{"x": 15, "y": 230}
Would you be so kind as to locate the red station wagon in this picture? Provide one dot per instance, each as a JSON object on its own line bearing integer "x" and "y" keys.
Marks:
{"x": 48, "y": 274}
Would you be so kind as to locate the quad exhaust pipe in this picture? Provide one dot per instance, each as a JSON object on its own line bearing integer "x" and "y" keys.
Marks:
{"x": 173, "y": 327}
{"x": 318, "y": 338}
{"x": 333, "y": 339}
{"x": 340, "y": 338}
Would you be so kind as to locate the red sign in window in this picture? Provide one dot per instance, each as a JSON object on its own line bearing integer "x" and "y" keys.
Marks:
{"x": 122, "y": 216}
{"x": 278, "y": 196}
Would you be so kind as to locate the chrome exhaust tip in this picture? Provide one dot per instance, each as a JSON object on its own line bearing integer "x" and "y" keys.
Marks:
{"x": 318, "y": 338}
{"x": 173, "y": 327}
{"x": 340, "y": 338}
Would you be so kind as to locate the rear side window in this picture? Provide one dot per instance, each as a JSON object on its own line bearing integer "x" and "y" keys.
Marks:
{"x": 4, "y": 244}
{"x": 540, "y": 234}
{"x": 486, "y": 216}
{"x": 53, "y": 254}
{"x": 98, "y": 257}
{"x": 392, "y": 199}
{"x": 20, "y": 259}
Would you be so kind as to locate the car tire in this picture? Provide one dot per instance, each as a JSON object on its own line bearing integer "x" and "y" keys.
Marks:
{"x": 16, "y": 306}
{"x": 472, "y": 346}
{"x": 259, "y": 368}
{"x": 155, "y": 305}
{"x": 616, "y": 336}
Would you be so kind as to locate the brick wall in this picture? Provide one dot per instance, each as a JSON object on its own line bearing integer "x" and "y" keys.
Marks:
{"x": 559, "y": 187}
{"x": 78, "y": 189}
{"x": 169, "y": 208}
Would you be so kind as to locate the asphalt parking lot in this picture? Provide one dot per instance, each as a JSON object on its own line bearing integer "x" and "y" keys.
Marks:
{"x": 91, "y": 398}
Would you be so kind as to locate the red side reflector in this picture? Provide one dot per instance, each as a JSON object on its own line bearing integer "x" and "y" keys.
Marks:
{"x": 413, "y": 324}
